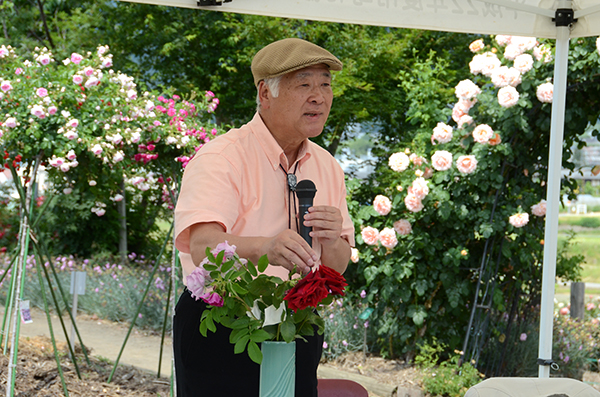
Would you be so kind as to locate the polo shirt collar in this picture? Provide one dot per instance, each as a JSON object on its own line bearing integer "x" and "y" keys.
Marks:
{"x": 272, "y": 149}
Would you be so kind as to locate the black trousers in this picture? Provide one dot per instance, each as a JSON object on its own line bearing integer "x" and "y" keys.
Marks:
{"x": 209, "y": 367}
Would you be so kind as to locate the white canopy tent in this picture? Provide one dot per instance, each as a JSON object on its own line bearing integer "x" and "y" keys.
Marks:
{"x": 534, "y": 18}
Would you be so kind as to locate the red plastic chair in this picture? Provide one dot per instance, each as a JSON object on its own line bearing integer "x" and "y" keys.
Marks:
{"x": 341, "y": 388}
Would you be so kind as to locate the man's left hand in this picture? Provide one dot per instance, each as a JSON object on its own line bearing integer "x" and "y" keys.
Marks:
{"x": 326, "y": 222}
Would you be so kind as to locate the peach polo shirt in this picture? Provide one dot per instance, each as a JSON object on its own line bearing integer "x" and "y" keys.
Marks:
{"x": 236, "y": 180}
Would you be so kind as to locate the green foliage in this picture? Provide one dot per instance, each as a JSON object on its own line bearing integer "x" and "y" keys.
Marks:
{"x": 344, "y": 330}
{"x": 9, "y": 219}
{"x": 575, "y": 345}
{"x": 113, "y": 291}
{"x": 448, "y": 378}
{"x": 421, "y": 278}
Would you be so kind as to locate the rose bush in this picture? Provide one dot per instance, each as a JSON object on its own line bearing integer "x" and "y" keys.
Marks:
{"x": 466, "y": 204}
{"x": 99, "y": 140}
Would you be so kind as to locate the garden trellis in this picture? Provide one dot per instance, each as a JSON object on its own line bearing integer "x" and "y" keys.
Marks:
{"x": 560, "y": 20}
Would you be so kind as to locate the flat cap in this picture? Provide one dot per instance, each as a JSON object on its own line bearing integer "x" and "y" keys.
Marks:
{"x": 288, "y": 55}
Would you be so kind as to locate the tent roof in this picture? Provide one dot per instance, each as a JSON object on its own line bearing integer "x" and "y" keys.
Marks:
{"x": 521, "y": 17}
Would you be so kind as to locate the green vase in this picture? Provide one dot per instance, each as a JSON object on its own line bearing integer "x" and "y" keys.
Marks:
{"x": 278, "y": 369}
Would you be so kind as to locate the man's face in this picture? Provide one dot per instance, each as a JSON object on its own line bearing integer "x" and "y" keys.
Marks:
{"x": 302, "y": 107}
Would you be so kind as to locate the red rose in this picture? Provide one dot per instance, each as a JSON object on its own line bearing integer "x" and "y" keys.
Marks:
{"x": 315, "y": 287}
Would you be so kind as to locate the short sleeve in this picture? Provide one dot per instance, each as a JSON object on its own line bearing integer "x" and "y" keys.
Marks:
{"x": 209, "y": 193}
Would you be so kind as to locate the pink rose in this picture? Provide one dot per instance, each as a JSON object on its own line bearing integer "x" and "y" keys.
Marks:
{"x": 539, "y": 209}
{"x": 399, "y": 162}
{"x": 484, "y": 63}
{"x": 545, "y": 92}
{"x": 508, "y": 96}
{"x": 416, "y": 160}
{"x": 213, "y": 299}
{"x": 388, "y": 238}
{"x": 519, "y": 220}
{"x": 76, "y": 58}
{"x": 77, "y": 79}
{"x": 495, "y": 140}
{"x": 442, "y": 133}
{"x": 402, "y": 227}
{"x": 382, "y": 204}
{"x": 504, "y": 76}
{"x": 466, "y": 119}
{"x": 88, "y": 71}
{"x": 482, "y": 133}
{"x": 96, "y": 149}
{"x": 196, "y": 282}
{"x": 503, "y": 40}
{"x": 466, "y": 89}
{"x": 370, "y": 235}
{"x": 18, "y": 70}
{"x": 524, "y": 43}
{"x": 458, "y": 112}
{"x": 41, "y": 92}
{"x": 92, "y": 82}
{"x": 11, "y": 122}
{"x": 413, "y": 203}
{"x": 419, "y": 188}
{"x": 523, "y": 63}
{"x": 512, "y": 51}
{"x": 71, "y": 155}
{"x": 564, "y": 311}
{"x": 441, "y": 160}
{"x": 466, "y": 164}
{"x": 476, "y": 46}
{"x": 5, "y": 86}
{"x": 229, "y": 250}
{"x": 52, "y": 110}
{"x": 38, "y": 111}
{"x": 43, "y": 59}
{"x": 542, "y": 53}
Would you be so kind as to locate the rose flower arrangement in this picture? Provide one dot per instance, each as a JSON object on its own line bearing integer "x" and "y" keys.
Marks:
{"x": 258, "y": 307}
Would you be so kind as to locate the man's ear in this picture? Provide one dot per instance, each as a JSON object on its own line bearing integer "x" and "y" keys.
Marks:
{"x": 264, "y": 95}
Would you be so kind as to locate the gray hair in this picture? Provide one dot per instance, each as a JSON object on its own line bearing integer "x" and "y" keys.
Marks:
{"x": 272, "y": 84}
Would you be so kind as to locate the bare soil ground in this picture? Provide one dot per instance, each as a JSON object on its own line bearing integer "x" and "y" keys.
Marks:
{"x": 37, "y": 374}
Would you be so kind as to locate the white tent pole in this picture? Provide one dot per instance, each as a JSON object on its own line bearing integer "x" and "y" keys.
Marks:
{"x": 553, "y": 194}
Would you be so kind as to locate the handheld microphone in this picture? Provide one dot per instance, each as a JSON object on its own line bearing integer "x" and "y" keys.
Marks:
{"x": 305, "y": 191}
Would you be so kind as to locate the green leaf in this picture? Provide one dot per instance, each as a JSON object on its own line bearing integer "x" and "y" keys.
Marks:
{"x": 236, "y": 335}
{"x": 252, "y": 269}
{"x": 210, "y": 324}
{"x": 240, "y": 345}
{"x": 263, "y": 262}
{"x": 254, "y": 352}
{"x": 239, "y": 289}
{"x": 240, "y": 323}
{"x": 227, "y": 266}
{"x": 419, "y": 316}
{"x": 219, "y": 258}
{"x": 288, "y": 330}
{"x": 260, "y": 335}
{"x": 203, "y": 329}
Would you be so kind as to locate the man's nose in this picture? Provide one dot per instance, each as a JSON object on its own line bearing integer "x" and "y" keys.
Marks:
{"x": 316, "y": 95}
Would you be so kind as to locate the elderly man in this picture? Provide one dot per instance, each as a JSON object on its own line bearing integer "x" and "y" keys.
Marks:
{"x": 239, "y": 188}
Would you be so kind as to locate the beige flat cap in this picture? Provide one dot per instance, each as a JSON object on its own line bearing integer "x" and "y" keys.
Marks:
{"x": 287, "y": 55}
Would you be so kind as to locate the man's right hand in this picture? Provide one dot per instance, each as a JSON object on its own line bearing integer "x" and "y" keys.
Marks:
{"x": 289, "y": 250}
